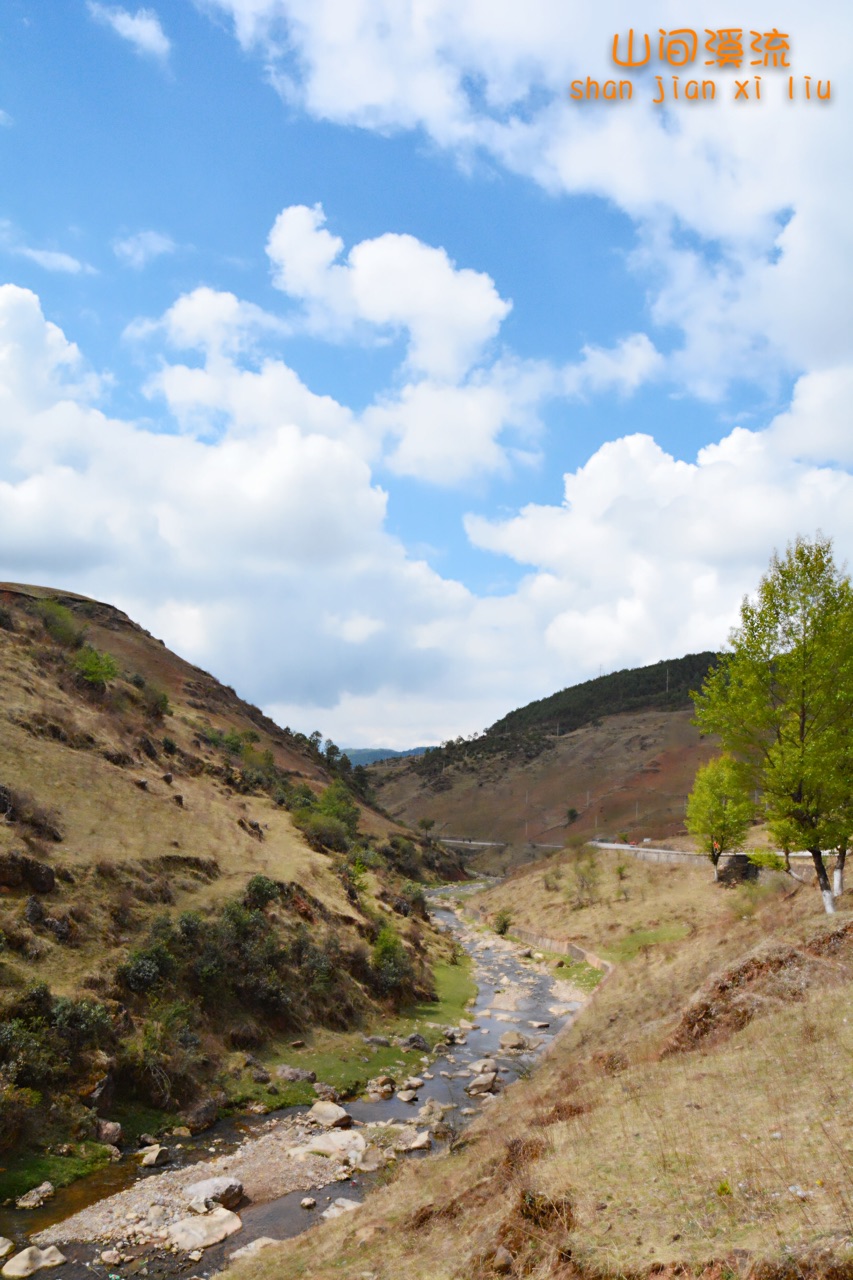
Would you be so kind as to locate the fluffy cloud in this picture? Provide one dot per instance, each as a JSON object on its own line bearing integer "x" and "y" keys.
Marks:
{"x": 459, "y": 408}
{"x": 394, "y": 283}
{"x": 141, "y": 29}
{"x": 142, "y": 247}
{"x": 649, "y": 555}
{"x": 263, "y": 555}
{"x": 730, "y": 225}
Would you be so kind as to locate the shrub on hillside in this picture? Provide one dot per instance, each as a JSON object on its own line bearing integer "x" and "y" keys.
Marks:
{"x": 42, "y": 1037}
{"x": 260, "y": 891}
{"x": 155, "y": 703}
{"x": 95, "y": 668}
{"x": 24, "y": 809}
{"x": 393, "y": 974}
{"x": 60, "y": 624}
{"x": 7, "y": 619}
{"x": 322, "y": 831}
{"x": 236, "y": 967}
{"x": 336, "y": 802}
{"x": 20, "y": 1111}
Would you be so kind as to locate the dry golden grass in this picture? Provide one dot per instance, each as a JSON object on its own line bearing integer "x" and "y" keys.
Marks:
{"x": 52, "y": 743}
{"x": 736, "y": 1154}
{"x": 629, "y": 895}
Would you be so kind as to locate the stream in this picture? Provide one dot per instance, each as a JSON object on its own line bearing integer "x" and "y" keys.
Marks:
{"x": 513, "y": 994}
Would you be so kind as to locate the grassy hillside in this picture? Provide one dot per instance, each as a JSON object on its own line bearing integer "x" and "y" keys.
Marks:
{"x": 697, "y": 1120}
{"x": 630, "y": 773}
{"x": 179, "y": 878}
{"x": 613, "y": 755}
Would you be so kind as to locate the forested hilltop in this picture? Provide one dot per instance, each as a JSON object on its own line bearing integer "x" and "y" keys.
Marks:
{"x": 664, "y": 686}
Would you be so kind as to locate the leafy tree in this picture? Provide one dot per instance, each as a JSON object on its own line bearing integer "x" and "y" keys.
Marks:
{"x": 426, "y": 825}
{"x": 336, "y": 801}
{"x": 719, "y": 809}
{"x": 781, "y": 699}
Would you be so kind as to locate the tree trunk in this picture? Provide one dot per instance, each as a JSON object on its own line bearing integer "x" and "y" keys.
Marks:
{"x": 823, "y": 881}
{"x": 838, "y": 873}
{"x": 715, "y": 859}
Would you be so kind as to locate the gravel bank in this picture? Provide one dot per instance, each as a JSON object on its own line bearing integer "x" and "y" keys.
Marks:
{"x": 142, "y": 1212}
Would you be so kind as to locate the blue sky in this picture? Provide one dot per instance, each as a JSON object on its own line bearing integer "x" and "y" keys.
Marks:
{"x": 345, "y": 353}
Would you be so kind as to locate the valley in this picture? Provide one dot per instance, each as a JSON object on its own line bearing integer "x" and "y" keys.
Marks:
{"x": 222, "y": 939}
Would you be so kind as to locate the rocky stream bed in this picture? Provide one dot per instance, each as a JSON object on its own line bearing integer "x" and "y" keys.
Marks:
{"x": 243, "y": 1185}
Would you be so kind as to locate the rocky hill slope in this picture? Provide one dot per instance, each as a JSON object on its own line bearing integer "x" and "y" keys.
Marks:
{"x": 179, "y": 877}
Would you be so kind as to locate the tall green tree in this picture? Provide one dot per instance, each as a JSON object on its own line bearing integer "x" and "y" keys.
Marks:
{"x": 781, "y": 699}
{"x": 720, "y": 807}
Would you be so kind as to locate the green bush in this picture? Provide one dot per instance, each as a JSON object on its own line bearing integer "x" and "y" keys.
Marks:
{"x": 60, "y": 624}
{"x": 416, "y": 898}
{"x": 260, "y": 890}
{"x": 503, "y": 920}
{"x": 96, "y": 668}
{"x": 165, "y": 1059}
{"x": 393, "y": 974}
{"x": 322, "y": 831}
{"x": 43, "y": 1036}
{"x": 146, "y": 968}
{"x": 769, "y": 861}
{"x": 20, "y": 1109}
{"x": 336, "y": 802}
{"x": 7, "y": 620}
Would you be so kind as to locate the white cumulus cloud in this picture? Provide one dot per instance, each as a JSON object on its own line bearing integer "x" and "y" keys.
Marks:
{"x": 395, "y": 283}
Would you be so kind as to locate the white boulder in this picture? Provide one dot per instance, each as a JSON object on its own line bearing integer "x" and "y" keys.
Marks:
{"x": 30, "y": 1260}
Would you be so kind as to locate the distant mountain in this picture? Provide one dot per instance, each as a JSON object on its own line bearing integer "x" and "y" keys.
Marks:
{"x": 372, "y": 755}
{"x": 613, "y": 755}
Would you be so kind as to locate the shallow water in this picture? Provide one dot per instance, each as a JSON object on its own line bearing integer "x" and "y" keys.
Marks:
{"x": 503, "y": 979}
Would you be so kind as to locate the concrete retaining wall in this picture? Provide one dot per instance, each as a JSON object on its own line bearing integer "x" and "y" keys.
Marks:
{"x": 560, "y": 946}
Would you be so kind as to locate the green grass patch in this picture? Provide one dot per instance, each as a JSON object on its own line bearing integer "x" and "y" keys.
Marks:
{"x": 135, "y": 1118}
{"x": 580, "y": 974}
{"x": 31, "y": 1168}
{"x": 630, "y": 946}
{"x": 343, "y": 1060}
